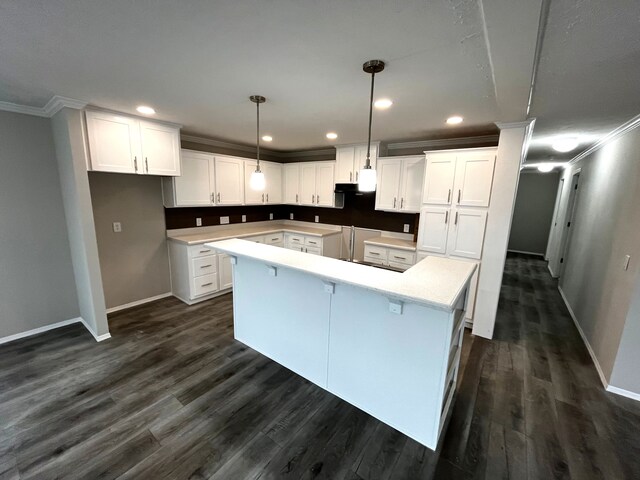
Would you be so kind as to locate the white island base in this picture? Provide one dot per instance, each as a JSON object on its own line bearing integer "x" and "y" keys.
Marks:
{"x": 386, "y": 342}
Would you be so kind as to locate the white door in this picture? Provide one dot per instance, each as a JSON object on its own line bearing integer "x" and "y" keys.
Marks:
{"x": 388, "y": 189}
{"x": 474, "y": 176}
{"x": 114, "y": 143}
{"x": 273, "y": 179}
{"x": 438, "y": 179}
{"x": 308, "y": 184}
{"x": 345, "y": 165}
{"x": 411, "y": 184}
{"x": 229, "y": 178}
{"x": 160, "y": 149}
{"x": 434, "y": 224}
{"x": 192, "y": 187}
{"x": 466, "y": 235}
{"x": 361, "y": 158}
{"x": 325, "y": 184}
{"x": 225, "y": 270}
{"x": 251, "y": 196}
{"x": 291, "y": 183}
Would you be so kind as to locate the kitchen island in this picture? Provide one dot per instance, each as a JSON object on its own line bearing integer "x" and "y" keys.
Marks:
{"x": 387, "y": 342}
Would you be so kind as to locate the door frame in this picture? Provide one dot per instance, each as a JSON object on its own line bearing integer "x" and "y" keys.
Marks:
{"x": 569, "y": 220}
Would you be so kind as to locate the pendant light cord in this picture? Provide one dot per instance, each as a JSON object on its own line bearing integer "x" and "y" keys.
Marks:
{"x": 368, "y": 161}
{"x": 258, "y": 136}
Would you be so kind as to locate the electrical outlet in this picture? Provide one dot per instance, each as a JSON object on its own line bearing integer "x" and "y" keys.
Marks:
{"x": 198, "y": 222}
{"x": 271, "y": 216}
{"x": 291, "y": 216}
{"x": 244, "y": 218}
{"x": 224, "y": 220}
{"x": 317, "y": 218}
{"x": 406, "y": 228}
{"x": 117, "y": 227}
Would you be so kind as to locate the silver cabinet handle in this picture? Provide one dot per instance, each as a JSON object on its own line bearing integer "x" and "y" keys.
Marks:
{"x": 213, "y": 197}
{"x": 456, "y": 220}
{"x": 263, "y": 198}
{"x": 146, "y": 162}
{"x": 296, "y": 198}
{"x": 267, "y": 198}
{"x": 449, "y": 196}
{"x": 206, "y": 266}
{"x": 204, "y": 251}
{"x": 446, "y": 216}
{"x": 218, "y": 197}
{"x": 373, "y": 253}
{"x": 399, "y": 258}
{"x": 394, "y": 202}
{"x": 313, "y": 199}
{"x": 317, "y": 199}
{"x": 275, "y": 239}
{"x": 350, "y": 177}
{"x": 459, "y": 193}
{"x": 312, "y": 243}
{"x": 401, "y": 203}
{"x": 206, "y": 284}
{"x": 135, "y": 163}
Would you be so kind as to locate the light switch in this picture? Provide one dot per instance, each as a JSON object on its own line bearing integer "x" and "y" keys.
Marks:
{"x": 198, "y": 222}
{"x": 244, "y": 218}
{"x": 224, "y": 220}
{"x": 117, "y": 227}
{"x": 406, "y": 228}
{"x": 627, "y": 259}
{"x": 395, "y": 306}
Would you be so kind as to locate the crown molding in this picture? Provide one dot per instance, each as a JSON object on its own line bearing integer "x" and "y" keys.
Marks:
{"x": 507, "y": 125}
{"x": 444, "y": 142}
{"x": 612, "y": 135}
{"x": 52, "y": 107}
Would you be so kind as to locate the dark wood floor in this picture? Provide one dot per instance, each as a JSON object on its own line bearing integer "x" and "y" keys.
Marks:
{"x": 172, "y": 395}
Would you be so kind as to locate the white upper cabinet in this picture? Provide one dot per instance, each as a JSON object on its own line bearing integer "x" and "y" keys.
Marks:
{"x": 273, "y": 178}
{"x": 229, "y": 180}
{"x": 466, "y": 235}
{"x": 308, "y": 183}
{"x": 317, "y": 183}
{"x": 474, "y": 177}
{"x": 196, "y": 184}
{"x": 350, "y": 159}
{"x": 291, "y": 182}
{"x": 438, "y": 182}
{"x": 252, "y": 197}
{"x": 122, "y": 144}
{"x": 434, "y": 227}
{"x": 400, "y": 183}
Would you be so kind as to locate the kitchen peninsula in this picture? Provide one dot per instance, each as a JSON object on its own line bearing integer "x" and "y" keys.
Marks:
{"x": 386, "y": 342}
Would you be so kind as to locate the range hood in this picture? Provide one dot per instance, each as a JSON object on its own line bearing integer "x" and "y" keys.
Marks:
{"x": 349, "y": 188}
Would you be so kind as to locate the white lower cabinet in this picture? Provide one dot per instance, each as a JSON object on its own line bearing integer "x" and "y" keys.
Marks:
{"x": 452, "y": 231}
{"x": 225, "y": 271}
{"x": 390, "y": 257}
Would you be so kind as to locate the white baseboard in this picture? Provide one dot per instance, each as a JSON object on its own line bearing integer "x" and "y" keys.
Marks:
{"x": 527, "y": 253}
{"x": 38, "y": 330}
{"x": 99, "y": 338}
{"x": 138, "y": 302}
{"x": 553, "y": 275}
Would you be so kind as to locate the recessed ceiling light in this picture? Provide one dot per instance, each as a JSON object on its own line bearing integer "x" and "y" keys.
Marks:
{"x": 545, "y": 167}
{"x": 565, "y": 144}
{"x": 145, "y": 110}
{"x": 267, "y": 138}
{"x": 332, "y": 135}
{"x": 455, "y": 120}
{"x": 382, "y": 104}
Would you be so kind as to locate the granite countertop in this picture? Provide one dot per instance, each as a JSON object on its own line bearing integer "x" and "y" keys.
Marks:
{"x": 249, "y": 231}
{"x": 435, "y": 281}
{"x": 392, "y": 243}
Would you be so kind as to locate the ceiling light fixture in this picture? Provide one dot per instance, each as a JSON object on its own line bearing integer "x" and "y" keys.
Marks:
{"x": 332, "y": 135}
{"x": 367, "y": 178}
{"x": 257, "y": 181}
{"x": 565, "y": 144}
{"x": 145, "y": 110}
{"x": 455, "y": 120}
{"x": 545, "y": 167}
{"x": 383, "y": 104}
{"x": 267, "y": 138}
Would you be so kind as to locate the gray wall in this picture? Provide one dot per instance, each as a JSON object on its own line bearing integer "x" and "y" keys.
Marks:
{"x": 135, "y": 262}
{"x": 606, "y": 228}
{"x": 533, "y": 211}
{"x": 37, "y": 286}
{"x": 625, "y": 371}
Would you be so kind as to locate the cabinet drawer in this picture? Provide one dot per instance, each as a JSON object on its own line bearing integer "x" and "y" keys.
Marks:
{"x": 313, "y": 241}
{"x": 204, "y": 265}
{"x": 313, "y": 250}
{"x": 204, "y": 285}
{"x": 399, "y": 266}
{"x": 402, "y": 256}
{"x": 292, "y": 239}
{"x": 273, "y": 238}
{"x": 375, "y": 261}
{"x": 375, "y": 252}
{"x": 196, "y": 251}
{"x": 257, "y": 239}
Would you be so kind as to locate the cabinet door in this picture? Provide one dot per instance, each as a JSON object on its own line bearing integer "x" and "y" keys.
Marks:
{"x": 273, "y": 178}
{"x": 434, "y": 224}
{"x": 345, "y": 165}
{"x": 388, "y": 189}
{"x": 325, "y": 184}
{"x": 291, "y": 183}
{"x": 160, "y": 149}
{"x": 251, "y": 196}
{"x": 308, "y": 184}
{"x": 114, "y": 143}
{"x": 467, "y": 233}
{"x": 474, "y": 176}
{"x": 411, "y": 184}
{"x": 361, "y": 158}
{"x": 229, "y": 178}
{"x": 225, "y": 270}
{"x": 438, "y": 181}
{"x": 192, "y": 187}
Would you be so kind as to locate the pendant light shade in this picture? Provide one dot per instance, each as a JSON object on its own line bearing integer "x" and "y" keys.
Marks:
{"x": 367, "y": 176}
{"x": 257, "y": 181}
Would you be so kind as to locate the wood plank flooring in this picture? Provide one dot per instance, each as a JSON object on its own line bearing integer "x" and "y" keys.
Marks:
{"x": 172, "y": 395}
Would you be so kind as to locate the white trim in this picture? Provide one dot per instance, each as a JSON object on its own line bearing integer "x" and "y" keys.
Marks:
{"x": 99, "y": 338}
{"x": 553, "y": 275}
{"x": 138, "y": 302}
{"x": 612, "y": 135}
{"x": 507, "y": 125}
{"x": 25, "y": 109}
{"x": 603, "y": 379}
{"x": 59, "y": 102}
{"x": 526, "y": 253}
{"x": 623, "y": 392}
{"x": 38, "y": 330}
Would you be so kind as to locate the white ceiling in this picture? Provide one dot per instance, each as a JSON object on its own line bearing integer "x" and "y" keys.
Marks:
{"x": 197, "y": 61}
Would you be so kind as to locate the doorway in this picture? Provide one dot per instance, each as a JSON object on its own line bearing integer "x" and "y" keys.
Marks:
{"x": 569, "y": 220}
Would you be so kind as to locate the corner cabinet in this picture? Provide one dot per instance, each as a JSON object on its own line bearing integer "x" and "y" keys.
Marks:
{"x": 400, "y": 184}
{"x": 124, "y": 144}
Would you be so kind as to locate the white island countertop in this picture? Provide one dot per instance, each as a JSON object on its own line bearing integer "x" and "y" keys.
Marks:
{"x": 435, "y": 281}
{"x": 392, "y": 242}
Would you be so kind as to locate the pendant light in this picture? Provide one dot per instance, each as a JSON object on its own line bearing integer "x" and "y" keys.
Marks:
{"x": 367, "y": 176}
{"x": 257, "y": 181}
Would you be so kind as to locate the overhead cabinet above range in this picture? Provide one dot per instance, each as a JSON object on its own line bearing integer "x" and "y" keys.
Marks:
{"x": 124, "y": 144}
{"x": 350, "y": 159}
